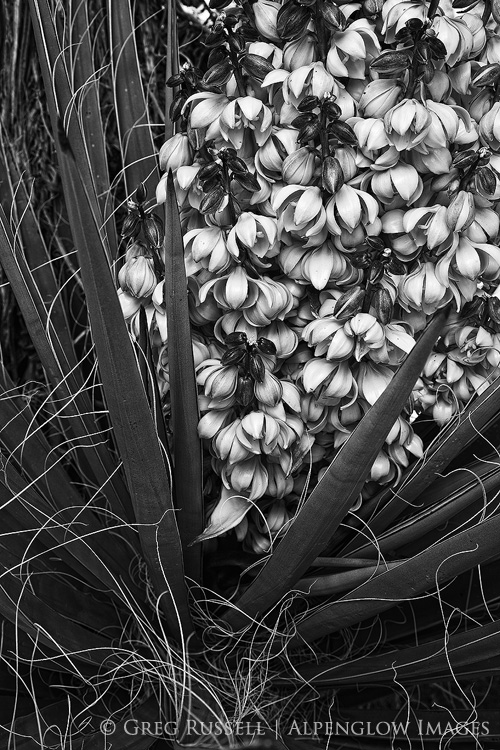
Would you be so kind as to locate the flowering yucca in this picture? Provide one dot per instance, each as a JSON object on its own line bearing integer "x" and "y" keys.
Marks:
{"x": 339, "y": 193}
{"x": 223, "y": 505}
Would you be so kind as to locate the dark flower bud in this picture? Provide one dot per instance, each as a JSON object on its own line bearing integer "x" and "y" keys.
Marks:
{"x": 414, "y": 24}
{"x": 437, "y": 48}
{"x": 382, "y": 304}
{"x": 464, "y": 5}
{"x": 213, "y": 200}
{"x": 304, "y": 119}
{"x": 494, "y": 309}
{"x": 233, "y": 356}
{"x": 256, "y": 66}
{"x": 332, "y": 110}
{"x": 218, "y": 74}
{"x": 332, "y": 176}
{"x": 349, "y": 303}
{"x": 211, "y": 182}
{"x": 257, "y": 369}
{"x": 429, "y": 71}
{"x": 236, "y": 164}
{"x": 422, "y": 53}
{"x": 486, "y": 76}
{"x": 175, "y": 110}
{"x": 237, "y": 42}
{"x": 475, "y": 308}
{"x": 361, "y": 260}
{"x": 247, "y": 181}
{"x": 244, "y": 390}
{"x": 215, "y": 38}
{"x": 376, "y": 272}
{"x": 141, "y": 193}
{"x": 176, "y": 80}
{"x": 219, "y": 4}
{"x": 152, "y": 227}
{"x": 392, "y": 63}
{"x": 266, "y": 346}
{"x": 486, "y": 180}
{"x": 309, "y": 132}
{"x": 308, "y": 3}
{"x": 344, "y": 133}
{"x": 209, "y": 170}
{"x": 218, "y": 54}
{"x": 465, "y": 159}
{"x": 131, "y": 226}
{"x": 237, "y": 338}
{"x": 332, "y": 15}
{"x": 308, "y": 103}
{"x": 372, "y": 7}
{"x": 396, "y": 266}
{"x": 196, "y": 137}
{"x": 291, "y": 21}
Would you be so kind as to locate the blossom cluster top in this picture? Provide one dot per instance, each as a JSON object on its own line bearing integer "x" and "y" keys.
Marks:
{"x": 337, "y": 170}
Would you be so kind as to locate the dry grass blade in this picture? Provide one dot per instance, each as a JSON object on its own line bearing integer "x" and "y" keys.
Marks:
{"x": 188, "y": 487}
{"x": 420, "y": 573}
{"x": 329, "y": 502}
{"x": 136, "y": 142}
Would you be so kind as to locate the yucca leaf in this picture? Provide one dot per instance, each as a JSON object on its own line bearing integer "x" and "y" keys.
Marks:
{"x": 172, "y": 63}
{"x": 48, "y": 724}
{"x": 35, "y": 248}
{"x": 422, "y": 618}
{"x": 441, "y": 562}
{"x": 468, "y": 492}
{"x": 335, "y": 583}
{"x": 75, "y": 533}
{"x": 136, "y": 142}
{"x": 426, "y": 662}
{"x": 86, "y": 86}
{"x": 77, "y": 606}
{"x": 68, "y": 387}
{"x": 388, "y": 505}
{"x": 329, "y": 502}
{"x": 19, "y": 605}
{"x": 183, "y": 391}
{"x": 134, "y": 431}
{"x": 60, "y": 102}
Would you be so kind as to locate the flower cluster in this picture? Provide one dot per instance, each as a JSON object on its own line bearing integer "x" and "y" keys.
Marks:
{"x": 337, "y": 171}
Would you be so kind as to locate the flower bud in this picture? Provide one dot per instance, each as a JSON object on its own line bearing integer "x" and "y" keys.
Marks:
{"x": 332, "y": 176}
{"x": 175, "y": 153}
{"x": 137, "y": 277}
{"x": 256, "y": 66}
{"x": 298, "y": 168}
{"x": 266, "y": 14}
{"x": 349, "y": 303}
{"x": 379, "y": 96}
{"x": 382, "y": 304}
{"x": 300, "y": 52}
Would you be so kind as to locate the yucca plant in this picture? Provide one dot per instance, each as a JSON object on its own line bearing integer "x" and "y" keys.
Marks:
{"x": 125, "y": 625}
